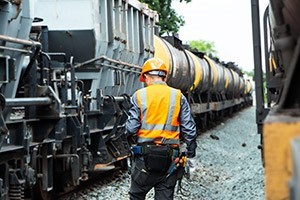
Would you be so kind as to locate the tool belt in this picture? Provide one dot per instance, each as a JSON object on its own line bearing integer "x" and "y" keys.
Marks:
{"x": 157, "y": 158}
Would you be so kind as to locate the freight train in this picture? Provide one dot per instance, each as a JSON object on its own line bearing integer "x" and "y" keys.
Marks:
{"x": 277, "y": 96}
{"x": 67, "y": 71}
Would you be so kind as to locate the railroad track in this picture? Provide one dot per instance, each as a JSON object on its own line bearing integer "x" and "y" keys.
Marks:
{"x": 98, "y": 179}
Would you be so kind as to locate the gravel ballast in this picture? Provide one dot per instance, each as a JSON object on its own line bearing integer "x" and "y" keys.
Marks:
{"x": 228, "y": 166}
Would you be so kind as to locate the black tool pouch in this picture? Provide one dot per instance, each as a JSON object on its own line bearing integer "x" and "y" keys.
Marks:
{"x": 158, "y": 158}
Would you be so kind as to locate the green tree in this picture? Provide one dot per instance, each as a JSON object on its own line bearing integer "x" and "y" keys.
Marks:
{"x": 249, "y": 73}
{"x": 169, "y": 20}
{"x": 203, "y": 46}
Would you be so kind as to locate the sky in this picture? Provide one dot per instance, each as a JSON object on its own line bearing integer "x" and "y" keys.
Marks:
{"x": 227, "y": 23}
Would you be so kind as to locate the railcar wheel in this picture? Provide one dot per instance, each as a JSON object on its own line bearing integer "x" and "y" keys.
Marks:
{"x": 204, "y": 122}
{"x": 201, "y": 121}
{"x": 38, "y": 193}
{"x": 123, "y": 164}
{"x": 230, "y": 112}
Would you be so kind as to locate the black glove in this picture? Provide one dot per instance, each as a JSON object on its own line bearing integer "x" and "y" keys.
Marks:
{"x": 191, "y": 149}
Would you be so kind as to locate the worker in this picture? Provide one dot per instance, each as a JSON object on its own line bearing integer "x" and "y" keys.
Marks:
{"x": 159, "y": 116}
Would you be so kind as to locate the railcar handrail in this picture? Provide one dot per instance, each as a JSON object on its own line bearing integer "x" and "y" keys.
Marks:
{"x": 112, "y": 61}
{"x": 15, "y": 49}
{"x": 28, "y": 43}
{"x": 29, "y": 101}
{"x": 19, "y": 41}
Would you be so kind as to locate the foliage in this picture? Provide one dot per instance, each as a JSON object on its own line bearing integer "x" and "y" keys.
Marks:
{"x": 249, "y": 73}
{"x": 169, "y": 20}
{"x": 203, "y": 46}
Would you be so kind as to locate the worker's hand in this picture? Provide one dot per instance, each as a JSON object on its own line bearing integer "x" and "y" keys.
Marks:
{"x": 192, "y": 162}
{"x": 190, "y": 167}
{"x": 180, "y": 161}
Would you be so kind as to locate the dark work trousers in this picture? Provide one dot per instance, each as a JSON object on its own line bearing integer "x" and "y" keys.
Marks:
{"x": 143, "y": 181}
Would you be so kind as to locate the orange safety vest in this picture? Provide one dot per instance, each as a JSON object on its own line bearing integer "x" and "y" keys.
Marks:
{"x": 160, "y": 106}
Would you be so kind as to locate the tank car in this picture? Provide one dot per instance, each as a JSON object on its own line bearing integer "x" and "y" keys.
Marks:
{"x": 214, "y": 89}
{"x": 278, "y": 103}
{"x": 67, "y": 71}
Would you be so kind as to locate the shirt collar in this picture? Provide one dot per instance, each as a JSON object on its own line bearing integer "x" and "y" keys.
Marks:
{"x": 159, "y": 83}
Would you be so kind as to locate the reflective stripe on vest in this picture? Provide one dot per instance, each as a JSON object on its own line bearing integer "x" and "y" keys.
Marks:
{"x": 170, "y": 129}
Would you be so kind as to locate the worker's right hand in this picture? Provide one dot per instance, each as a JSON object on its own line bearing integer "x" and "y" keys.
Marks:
{"x": 192, "y": 162}
{"x": 190, "y": 167}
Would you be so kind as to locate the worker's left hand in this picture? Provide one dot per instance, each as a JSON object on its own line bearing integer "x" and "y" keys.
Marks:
{"x": 190, "y": 167}
{"x": 192, "y": 162}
